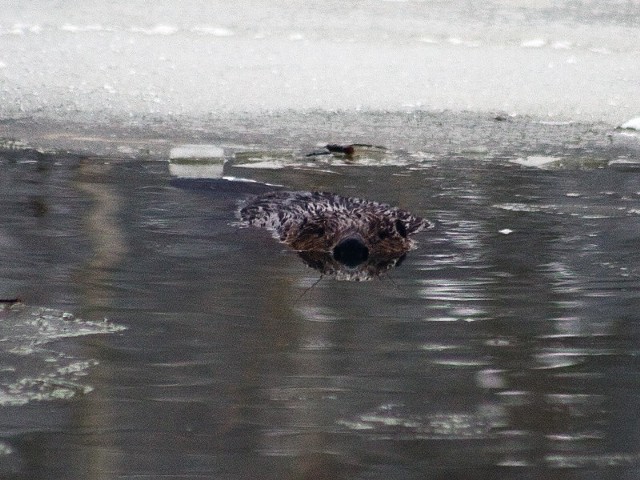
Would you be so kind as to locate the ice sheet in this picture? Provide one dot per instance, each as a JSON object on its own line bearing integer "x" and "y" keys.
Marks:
{"x": 33, "y": 367}
{"x": 168, "y": 59}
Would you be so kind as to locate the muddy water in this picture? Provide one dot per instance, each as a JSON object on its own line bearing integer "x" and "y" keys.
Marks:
{"x": 504, "y": 346}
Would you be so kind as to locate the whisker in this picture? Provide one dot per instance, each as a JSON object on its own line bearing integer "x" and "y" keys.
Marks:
{"x": 308, "y": 289}
{"x": 393, "y": 282}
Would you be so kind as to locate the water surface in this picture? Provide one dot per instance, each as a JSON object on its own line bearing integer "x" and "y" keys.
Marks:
{"x": 505, "y": 346}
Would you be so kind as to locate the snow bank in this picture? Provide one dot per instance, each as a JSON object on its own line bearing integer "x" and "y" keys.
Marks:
{"x": 197, "y": 58}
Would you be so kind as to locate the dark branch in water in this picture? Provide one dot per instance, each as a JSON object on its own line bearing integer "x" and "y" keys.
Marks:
{"x": 10, "y": 301}
{"x": 346, "y": 150}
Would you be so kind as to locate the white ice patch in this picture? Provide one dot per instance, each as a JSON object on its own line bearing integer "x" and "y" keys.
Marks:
{"x": 159, "y": 29}
{"x": 536, "y": 161}
{"x": 196, "y": 152}
{"x": 561, "y": 45}
{"x": 267, "y": 164}
{"x": 33, "y": 367}
{"x": 21, "y": 29}
{"x": 67, "y": 27}
{"x": 214, "y": 31}
{"x": 534, "y": 43}
{"x": 196, "y": 161}
{"x": 554, "y": 123}
{"x": 5, "y": 449}
{"x": 428, "y": 40}
{"x": 633, "y": 124}
{"x": 248, "y": 180}
{"x": 463, "y": 43}
{"x": 196, "y": 171}
{"x": 402, "y": 423}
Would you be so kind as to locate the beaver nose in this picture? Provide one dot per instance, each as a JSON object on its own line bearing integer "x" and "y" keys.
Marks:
{"x": 351, "y": 252}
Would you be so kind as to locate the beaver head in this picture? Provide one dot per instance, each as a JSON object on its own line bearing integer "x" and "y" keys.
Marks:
{"x": 346, "y": 233}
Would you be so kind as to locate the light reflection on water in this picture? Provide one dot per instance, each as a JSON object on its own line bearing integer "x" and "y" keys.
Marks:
{"x": 485, "y": 355}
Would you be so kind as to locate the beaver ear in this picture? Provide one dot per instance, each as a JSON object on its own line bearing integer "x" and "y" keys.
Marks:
{"x": 401, "y": 228}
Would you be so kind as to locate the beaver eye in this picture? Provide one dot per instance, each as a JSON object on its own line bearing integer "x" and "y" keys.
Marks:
{"x": 402, "y": 230}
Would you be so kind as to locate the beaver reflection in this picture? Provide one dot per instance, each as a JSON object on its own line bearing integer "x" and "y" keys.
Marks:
{"x": 349, "y": 238}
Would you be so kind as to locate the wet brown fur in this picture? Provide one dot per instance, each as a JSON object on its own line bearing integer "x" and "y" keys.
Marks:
{"x": 318, "y": 224}
{"x": 318, "y": 221}
{"x": 323, "y": 233}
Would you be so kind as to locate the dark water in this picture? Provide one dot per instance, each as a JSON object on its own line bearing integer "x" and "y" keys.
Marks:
{"x": 505, "y": 346}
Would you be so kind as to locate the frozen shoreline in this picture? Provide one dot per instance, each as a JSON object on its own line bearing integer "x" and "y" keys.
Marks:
{"x": 424, "y": 135}
{"x": 99, "y": 62}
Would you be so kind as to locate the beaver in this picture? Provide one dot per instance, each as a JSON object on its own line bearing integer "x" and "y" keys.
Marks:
{"x": 352, "y": 238}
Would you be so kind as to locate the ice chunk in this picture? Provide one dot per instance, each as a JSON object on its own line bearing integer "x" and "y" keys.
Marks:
{"x": 31, "y": 326}
{"x": 34, "y": 368}
{"x": 269, "y": 164}
{"x": 196, "y": 161}
{"x": 196, "y": 152}
{"x": 267, "y": 159}
{"x": 5, "y": 449}
{"x": 204, "y": 170}
{"x": 536, "y": 161}
{"x": 633, "y": 124}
